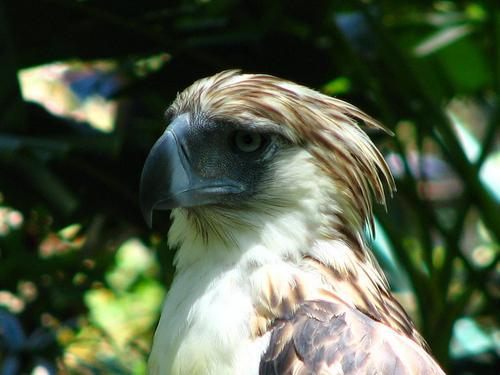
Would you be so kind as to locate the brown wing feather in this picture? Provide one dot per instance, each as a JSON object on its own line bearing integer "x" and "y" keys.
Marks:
{"x": 370, "y": 296}
{"x": 328, "y": 337}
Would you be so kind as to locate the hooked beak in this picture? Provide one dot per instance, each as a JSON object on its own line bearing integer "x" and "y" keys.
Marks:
{"x": 168, "y": 179}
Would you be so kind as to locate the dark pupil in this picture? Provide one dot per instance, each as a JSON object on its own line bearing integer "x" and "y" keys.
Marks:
{"x": 247, "y": 139}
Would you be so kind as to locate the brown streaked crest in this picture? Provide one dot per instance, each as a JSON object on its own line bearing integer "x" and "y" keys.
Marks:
{"x": 328, "y": 127}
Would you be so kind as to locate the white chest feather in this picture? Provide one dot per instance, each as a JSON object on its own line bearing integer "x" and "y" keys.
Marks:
{"x": 205, "y": 325}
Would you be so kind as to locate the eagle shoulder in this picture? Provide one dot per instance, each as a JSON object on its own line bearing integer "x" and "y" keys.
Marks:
{"x": 329, "y": 337}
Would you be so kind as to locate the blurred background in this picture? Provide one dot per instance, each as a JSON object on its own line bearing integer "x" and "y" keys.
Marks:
{"x": 83, "y": 88}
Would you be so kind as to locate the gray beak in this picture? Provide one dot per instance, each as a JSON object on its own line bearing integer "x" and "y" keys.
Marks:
{"x": 168, "y": 179}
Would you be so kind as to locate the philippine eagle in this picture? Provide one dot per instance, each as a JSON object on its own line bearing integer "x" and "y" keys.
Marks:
{"x": 270, "y": 186}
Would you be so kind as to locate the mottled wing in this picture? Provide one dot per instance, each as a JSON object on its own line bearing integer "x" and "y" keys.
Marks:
{"x": 328, "y": 337}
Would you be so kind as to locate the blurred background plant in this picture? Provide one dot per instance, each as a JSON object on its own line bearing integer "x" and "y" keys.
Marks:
{"x": 83, "y": 88}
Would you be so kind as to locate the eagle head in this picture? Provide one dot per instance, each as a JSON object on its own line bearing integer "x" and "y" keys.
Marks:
{"x": 241, "y": 149}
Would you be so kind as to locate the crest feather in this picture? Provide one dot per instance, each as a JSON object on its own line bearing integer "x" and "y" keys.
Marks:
{"x": 328, "y": 127}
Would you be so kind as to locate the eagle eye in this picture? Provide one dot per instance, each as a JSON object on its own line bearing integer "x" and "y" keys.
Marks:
{"x": 245, "y": 141}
